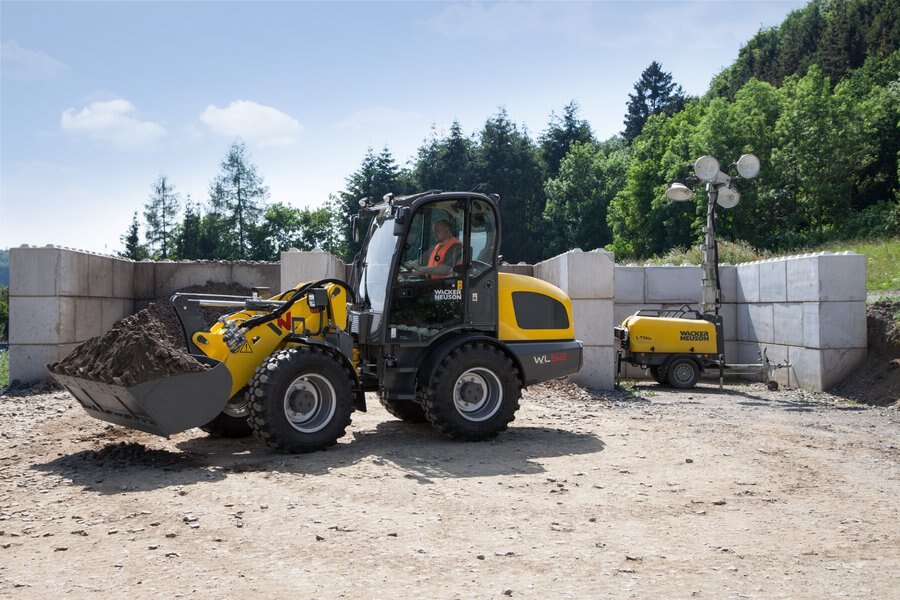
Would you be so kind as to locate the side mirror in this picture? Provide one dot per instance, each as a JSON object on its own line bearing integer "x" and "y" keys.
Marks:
{"x": 400, "y": 220}
{"x": 354, "y": 228}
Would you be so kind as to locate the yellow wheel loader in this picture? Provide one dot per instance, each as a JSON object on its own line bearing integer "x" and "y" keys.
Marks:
{"x": 453, "y": 346}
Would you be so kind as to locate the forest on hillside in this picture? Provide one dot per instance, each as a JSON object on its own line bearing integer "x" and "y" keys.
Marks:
{"x": 816, "y": 98}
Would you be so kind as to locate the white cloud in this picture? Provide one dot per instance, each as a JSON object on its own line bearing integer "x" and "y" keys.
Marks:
{"x": 23, "y": 63}
{"x": 503, "y": 20}
{"x": 112, "y": 122}
{"x": 255, "y": 123}
{"x": 377, "y": 116}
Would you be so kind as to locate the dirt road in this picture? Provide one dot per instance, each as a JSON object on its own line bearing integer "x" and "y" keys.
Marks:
{"x": 657, "y": 493}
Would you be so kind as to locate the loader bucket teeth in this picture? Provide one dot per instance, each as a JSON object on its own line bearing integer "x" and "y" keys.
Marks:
{"x": 160, "y": 406}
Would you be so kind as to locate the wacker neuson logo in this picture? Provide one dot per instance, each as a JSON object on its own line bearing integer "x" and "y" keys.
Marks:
{"x": 694, "y": 336}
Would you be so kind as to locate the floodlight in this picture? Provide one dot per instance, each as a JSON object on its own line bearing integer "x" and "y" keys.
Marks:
{"x": 748, "y": 166}
{"x": 678, "y": 192}
{"x": 728, "y": 198}
{"x": 706, "y": 168}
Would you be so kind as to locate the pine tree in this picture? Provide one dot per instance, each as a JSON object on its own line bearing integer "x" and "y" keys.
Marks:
{"x": 238, "y": 195}
{"x": 654, "y": 93}
{"x": 376, "y": 176}
{"x": 188, "y": 242}
{"x": 132, "y": 242}
{"x": 561, "y": 134}
{"x": 161, "y": 214}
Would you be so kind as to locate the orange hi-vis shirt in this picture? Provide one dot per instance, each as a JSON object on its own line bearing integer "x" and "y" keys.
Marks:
{"x": 441, "y": 253}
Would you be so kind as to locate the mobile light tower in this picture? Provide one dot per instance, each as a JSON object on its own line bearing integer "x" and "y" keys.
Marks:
{"x": 678, "y": 345}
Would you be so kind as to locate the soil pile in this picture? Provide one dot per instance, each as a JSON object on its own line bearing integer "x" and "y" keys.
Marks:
{"x": 877, "y": 381}
{"x": 145, "y": 346}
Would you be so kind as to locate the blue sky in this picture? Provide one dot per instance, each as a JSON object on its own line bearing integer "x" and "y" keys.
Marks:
{"x": 98, "y": 99}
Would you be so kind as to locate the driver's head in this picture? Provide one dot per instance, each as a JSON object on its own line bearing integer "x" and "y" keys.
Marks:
{"x": 442, "y": 230}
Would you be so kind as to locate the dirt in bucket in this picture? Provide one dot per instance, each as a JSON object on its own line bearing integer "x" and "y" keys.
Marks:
{"x": 145, "y": 346}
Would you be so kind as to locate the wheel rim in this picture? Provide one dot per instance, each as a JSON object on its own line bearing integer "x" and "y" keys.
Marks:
{"x": 683, "y": 372}
{"x": 238, "y": 407}
{"x": 310, "y": 403}
{"x": 477, "y": 394}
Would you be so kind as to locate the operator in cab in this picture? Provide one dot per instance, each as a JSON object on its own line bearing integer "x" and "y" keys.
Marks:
{"x": 446, "y": 253}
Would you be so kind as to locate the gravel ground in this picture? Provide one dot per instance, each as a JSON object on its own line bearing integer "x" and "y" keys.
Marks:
{"x": 741, "y": 493}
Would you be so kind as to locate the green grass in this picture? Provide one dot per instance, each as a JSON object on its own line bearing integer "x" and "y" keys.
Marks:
{"x": 4, "y": 369}
{"x": 882, "y": 258}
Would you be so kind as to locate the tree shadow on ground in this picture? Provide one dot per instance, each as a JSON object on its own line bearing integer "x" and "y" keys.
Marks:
{"x": 417, "y": 450}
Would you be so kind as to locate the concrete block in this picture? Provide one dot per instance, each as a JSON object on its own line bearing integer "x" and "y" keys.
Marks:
{"x": 112, "y": 310}
{"x": 88, "y": 318}
{"x": 144, "y": 280}
{"x": 728, "y": 313}
{"x": 748, "y": 283}
{"x": 773, "y": 281}
{"x": 731, "y": 352}
{"x": 123, "y": 278}
{"x": 100, "y": 276}
{"x": 33, "y": 271}
{"x": 621, "y": 311}
{"x": 629, "y": 284}
{"x": 673, "y": 284}
{"x": 747, "y": 352}
{"x": 74, "y": 273}
{"x": 172, "y": 277}
{"x": 258, "y": 275}
{"x": 788, "y": 323}
{"x": 834, "y": 324}
{"x": 593, "y": 321}
{"x": 298, "y": 267}
{"x": 728, "y": 283}
{"x": 762, "y": 323}
{"x": 598, "y": 370}
{"x": 36, "y": 320}
{"x": 27, "y": 362}
{"x": 827, "y": 278}
{"x": 839, "y": 363}
{"x": 806, "y": 367}
{"x": 519, "y": 269}
{"x": 743, "y": 322}
{"x": 842, "y": 278}
{"x": 580, "y": 274}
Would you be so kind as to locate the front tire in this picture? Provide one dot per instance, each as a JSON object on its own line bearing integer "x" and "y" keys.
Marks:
{"x": 301, "y": 400}
{"x": 473, "y": 394}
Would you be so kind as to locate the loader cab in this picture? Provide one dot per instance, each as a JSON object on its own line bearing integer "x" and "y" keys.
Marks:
{"x": 429, "y": 268}
{"x": 427, "y": 272}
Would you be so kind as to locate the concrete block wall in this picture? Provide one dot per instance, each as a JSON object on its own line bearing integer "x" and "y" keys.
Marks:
{"x": 299, "y": 267}
{"x": 809, "y": 310}
{"x": 61, "y": 297}
{"x": 58, "y": 299}
{"x": 589, "y": 280}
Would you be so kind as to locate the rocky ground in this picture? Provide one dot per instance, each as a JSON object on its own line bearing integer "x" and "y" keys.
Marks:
{"x": 741, "y": 493}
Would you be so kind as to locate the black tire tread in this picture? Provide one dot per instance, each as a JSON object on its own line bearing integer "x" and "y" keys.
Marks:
{"x": 266, "y": 377}
{"x": 436, "y": 408}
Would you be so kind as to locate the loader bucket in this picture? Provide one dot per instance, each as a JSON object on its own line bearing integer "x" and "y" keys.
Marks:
{"x": 160, "y": 406}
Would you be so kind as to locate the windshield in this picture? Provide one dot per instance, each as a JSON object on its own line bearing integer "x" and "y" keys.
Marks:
{"x": 378, "y": 260}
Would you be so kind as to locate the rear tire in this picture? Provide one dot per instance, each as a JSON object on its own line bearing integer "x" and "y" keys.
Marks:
{"x": 473, "y": 394}
{"x": 683, "y": 373}
{"x": 301, "y": 400}
{"x": 232, "y": 422}
{"x": 407, "y": 411}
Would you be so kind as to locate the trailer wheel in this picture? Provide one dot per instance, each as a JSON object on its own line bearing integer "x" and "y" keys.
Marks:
{"x": 683, "y": 373}
{"x": 407, "y": 411}
{"x": 473, "y": 394}
{"x": 301, "y": 400}
{"x": 659, "y": 374}
{"x": 232, "y": 421}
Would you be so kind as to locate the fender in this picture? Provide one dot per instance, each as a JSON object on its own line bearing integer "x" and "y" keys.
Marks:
{"x": 359, "y": 400}
{"x": 446, "y": 346}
